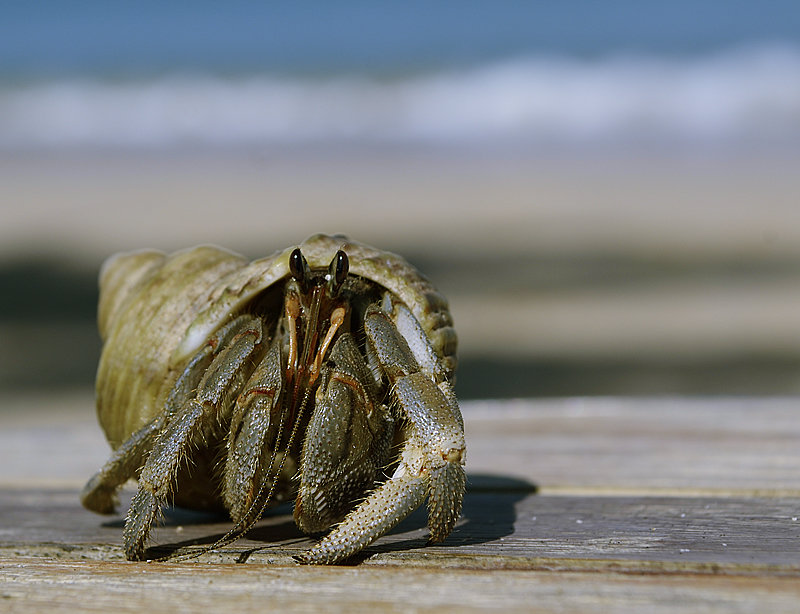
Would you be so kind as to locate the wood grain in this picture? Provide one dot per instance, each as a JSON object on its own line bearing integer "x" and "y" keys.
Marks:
{"x": 572, "y": 505}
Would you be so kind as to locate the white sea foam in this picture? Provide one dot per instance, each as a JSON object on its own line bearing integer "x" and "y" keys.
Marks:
{"x": 738, "y": 95}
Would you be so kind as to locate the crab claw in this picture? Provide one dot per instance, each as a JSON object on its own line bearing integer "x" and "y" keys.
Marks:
{"x": 432, "y": 457}
{"x": 393, "y": 501}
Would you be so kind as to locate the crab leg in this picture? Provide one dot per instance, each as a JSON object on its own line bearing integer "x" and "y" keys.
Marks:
{"x": 100, "y": 492}
{"x": 248, "y": 451}
{"x": 186, "y": 428}
{"x": 429, "y": 403}
{"x": 432, "y": 455}
{"x": 383, "y": 509}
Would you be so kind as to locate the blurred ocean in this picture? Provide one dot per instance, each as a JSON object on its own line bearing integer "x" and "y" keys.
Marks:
{"x": 533, "y": 74}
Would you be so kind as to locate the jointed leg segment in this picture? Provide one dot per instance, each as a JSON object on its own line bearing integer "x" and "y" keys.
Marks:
{"x": 432, "y": 455}
{"x": 252, "y": 432}
{"x": 198, "y": 417}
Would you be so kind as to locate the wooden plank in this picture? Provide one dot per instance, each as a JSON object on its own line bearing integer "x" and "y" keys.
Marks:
{"x": 50, "y": 439}
{"x": 518, "y": 529}
{"x": 32, "y": 586}
{"x": 572, "y": 505}
{"x": 617, "y": 479}
{"x": 733, "y": 446}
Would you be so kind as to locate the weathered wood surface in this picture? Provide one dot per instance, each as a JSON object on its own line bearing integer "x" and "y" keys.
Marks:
{"x": 572, "y": 505}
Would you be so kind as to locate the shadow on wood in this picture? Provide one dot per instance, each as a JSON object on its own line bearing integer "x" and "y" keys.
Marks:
{"x": 486, "y": 517}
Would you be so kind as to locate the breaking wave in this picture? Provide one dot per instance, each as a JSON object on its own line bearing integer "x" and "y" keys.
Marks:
{"x": 742, "y": 94}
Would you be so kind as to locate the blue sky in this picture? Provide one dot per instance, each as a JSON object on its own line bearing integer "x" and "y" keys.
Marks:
{"x": 53, "y": 37}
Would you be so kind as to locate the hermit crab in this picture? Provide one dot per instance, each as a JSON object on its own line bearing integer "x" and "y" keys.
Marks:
{"x": 321, "y": 373}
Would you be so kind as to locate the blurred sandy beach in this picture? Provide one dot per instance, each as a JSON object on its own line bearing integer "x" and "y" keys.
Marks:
{"x": 566, "y": 275}
{"x": 466, "y": 204}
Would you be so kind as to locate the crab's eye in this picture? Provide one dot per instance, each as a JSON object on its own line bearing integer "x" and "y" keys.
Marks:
{"x": 337, "y": 271}
{"x": 298, "y": 267}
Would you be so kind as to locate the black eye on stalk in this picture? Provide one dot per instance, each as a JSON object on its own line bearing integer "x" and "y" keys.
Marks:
{"x": 298, "y": 267}
{"x": 337, "y": 271}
